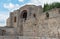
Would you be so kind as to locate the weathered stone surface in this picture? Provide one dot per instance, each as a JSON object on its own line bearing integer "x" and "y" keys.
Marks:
{"x": 36, "y": 24}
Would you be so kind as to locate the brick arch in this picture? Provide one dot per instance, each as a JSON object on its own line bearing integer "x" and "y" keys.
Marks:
{"x": 24, "y": 14}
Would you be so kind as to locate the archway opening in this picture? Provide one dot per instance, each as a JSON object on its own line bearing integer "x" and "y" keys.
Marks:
{"x": 24, "y": 14}
{"x": 14, "y": 19}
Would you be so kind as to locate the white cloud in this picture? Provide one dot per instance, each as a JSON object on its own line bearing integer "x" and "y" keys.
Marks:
{"x": 42, "y": 2}
{"x": 20, "y": 0}
{"x": 34, "y": 2}
{"x": 3, "y": 18}
{"x": 11, "y": 6}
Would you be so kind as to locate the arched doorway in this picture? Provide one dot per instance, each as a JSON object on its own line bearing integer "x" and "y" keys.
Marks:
{"x": 23, "y": 18}
{"x": 24, "y": 14}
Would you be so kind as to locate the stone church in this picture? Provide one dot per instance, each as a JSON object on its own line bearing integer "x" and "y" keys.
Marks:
{"x": 30, "y": 20}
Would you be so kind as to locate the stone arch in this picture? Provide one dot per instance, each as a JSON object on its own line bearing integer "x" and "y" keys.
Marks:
{"x": 24, "y": 14}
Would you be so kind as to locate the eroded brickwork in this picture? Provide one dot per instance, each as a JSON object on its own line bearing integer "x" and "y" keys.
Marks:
{"x": 36, "y": 22}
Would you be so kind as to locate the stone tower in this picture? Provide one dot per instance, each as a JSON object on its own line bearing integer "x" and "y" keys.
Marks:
{"x": 21, "y": 19}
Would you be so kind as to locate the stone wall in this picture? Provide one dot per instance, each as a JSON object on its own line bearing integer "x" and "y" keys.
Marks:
{"x": 8, "y": 31}
{"x": 8, "y": 37}
{"x": 8, "y": 22}
{"x": 38, "y": 24}
{"x": 25, "y": 37}
{"x": 50, "y": 26}
{"x": 31, "y": 10}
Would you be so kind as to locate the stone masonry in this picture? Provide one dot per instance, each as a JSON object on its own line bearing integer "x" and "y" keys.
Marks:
{"x": 30, "y": 20}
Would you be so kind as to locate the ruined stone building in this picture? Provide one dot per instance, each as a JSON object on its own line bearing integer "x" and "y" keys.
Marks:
{"x": 30, "y": 20}
{"x": 24, "y": 20}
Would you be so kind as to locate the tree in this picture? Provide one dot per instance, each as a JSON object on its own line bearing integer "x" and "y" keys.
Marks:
{"x": 51, "y": 6}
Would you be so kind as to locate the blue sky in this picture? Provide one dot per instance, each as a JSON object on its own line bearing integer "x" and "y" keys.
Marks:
{"x": 6, "y": 6}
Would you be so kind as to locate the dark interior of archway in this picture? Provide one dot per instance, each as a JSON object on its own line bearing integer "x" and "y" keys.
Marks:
{"x": 14, "y": 19}
{"x": 25, "y": 15}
